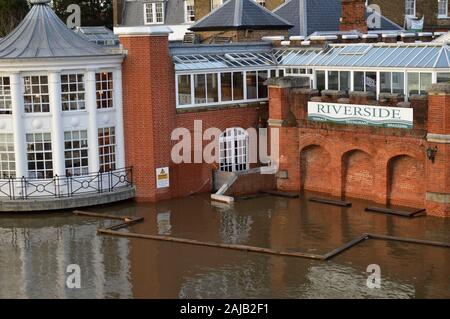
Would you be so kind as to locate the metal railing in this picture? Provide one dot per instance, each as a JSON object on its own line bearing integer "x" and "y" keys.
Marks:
{"x": 66, "y": 186}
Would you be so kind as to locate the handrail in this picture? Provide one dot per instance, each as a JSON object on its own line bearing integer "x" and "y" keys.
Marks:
{"x": 66, "y": 186}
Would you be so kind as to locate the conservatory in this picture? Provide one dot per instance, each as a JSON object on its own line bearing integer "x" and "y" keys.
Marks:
{"x": 61, "y": 126}
{"x": 235, "y": 74}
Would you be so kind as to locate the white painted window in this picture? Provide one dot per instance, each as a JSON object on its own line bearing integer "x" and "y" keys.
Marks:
{"x": 392, "y": 82}
{"x": 104, "y": 87}
{"x": 255, "y": 84}
{"x": 154, "y": 12}
{"x": 234, "y": 150}
{"x": 189, "y": 11}
{"x": 442, "y": 8}
{"x": 76, "y": 153}
{"x": 410, "y": 8}
{"x": 339, "y": 80}
{"x": 107, "y": 148}
{"x": 39, "y": 155}
{"x": 7, "y": 156}
{"x": 418, "y": 83}
{"x": 206, "y": 88}
{"x": 72, "y": 92}
{"x": 36, "y": 96}
{"x": 5, "y": 95}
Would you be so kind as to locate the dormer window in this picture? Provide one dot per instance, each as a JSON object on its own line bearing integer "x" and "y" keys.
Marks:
{"x": 154, "y": 12}
{"x": 410, "y": 8}
{"x": 442, "y": 9}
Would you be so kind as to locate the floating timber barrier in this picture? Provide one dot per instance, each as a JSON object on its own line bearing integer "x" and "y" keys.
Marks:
{"x": 114, "y": 231}
{"x": 330, "y": 201}
{"x": 222, "y": 198}
{"x": 282, "y": 194}
{"x": 394, "y": 212}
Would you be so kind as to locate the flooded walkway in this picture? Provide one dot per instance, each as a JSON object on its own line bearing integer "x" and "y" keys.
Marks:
{"x": 35, "y": 251}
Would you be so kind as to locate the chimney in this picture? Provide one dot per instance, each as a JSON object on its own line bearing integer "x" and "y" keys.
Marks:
{"x": 353, "y": 16}
{"x": 117, "y": 12}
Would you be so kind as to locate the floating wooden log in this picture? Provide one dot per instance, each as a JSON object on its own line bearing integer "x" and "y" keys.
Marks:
{"x": 222, "y": 198}
{"x": 212, "y": 244}
{"x": 106, "y": 216}
{"x": 346, "y": 246}
{"x": 330, "y": 201}
{"x": 395, "y": 212}
{"x": 282, "y": 194}
{"x": 410, "y": 240}
{"x": 252, "y": 196}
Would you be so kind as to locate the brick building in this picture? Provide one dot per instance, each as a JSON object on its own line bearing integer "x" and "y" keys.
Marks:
{"x": 435, "y": 12}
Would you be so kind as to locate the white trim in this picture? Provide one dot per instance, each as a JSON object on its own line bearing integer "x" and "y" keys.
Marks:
{"x": 154, "y": 13}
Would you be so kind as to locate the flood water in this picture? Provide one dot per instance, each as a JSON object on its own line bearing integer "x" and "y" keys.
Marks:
{"x": 35, "y": 251}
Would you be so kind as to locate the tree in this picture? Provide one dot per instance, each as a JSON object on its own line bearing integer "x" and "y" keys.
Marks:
{"x": 93, "y": 12}
{"x": 12, "y": 13}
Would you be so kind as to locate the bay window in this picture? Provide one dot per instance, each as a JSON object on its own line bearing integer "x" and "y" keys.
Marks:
{"x": 39, "y": 155}
{"x": 7, "y": 156}
{"x": 205, "y": 88}
{"x": 72, "y": 92}
{"x": 107, "y": 148}
{"x": 232, "y": 86}
{"x": 104, "y": 89}
{"x": 76, "y": 153}
{"x": 36, "y": 96}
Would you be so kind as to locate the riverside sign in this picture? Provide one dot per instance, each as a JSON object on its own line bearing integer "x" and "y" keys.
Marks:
{"x": 381, "y": 116}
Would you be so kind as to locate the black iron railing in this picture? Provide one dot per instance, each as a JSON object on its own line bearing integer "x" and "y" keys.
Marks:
{"x": 66, "y": 186}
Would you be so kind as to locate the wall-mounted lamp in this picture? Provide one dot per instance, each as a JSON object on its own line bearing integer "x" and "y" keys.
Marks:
{"x": 431, "y": 153}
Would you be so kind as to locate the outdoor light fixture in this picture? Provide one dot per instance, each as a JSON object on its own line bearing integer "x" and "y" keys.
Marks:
{"x": 431, "y": 153}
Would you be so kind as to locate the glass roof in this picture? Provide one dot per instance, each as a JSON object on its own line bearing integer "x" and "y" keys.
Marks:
{"x": 223, "y": 61}
{"x": 420, "y": 55}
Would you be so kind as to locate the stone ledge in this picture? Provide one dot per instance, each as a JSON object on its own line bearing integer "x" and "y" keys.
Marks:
{"x": 439, "y": 89}
{"x": 51, "y": 204}
{"x": 438, "y": 198}
{"x": 438, "y": 138}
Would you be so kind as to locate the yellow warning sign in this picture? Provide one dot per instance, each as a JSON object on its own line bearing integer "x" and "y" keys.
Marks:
{"x": 162, "y": 177}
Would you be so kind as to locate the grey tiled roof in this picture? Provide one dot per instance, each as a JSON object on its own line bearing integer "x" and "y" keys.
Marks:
{"x": 309, "y": 16}
{"x": 42, "y": 34}
{"x": 240, "y": 14}
{"x": 133, "y": 12}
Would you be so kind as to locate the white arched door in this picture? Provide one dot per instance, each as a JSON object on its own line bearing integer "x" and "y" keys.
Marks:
{"x": 234, "y": 150}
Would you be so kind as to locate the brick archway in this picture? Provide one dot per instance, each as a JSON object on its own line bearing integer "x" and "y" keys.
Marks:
{"x": 406, "y": 181}
{"x": 315, "y": 169}
{"x": 358, "y": 174}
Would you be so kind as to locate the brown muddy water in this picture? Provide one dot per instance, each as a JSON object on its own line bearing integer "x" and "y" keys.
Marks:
{"x": 35, "y": 251}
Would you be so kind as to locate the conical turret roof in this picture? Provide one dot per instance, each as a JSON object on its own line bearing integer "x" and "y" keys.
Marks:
{"x": 42, "y": 34}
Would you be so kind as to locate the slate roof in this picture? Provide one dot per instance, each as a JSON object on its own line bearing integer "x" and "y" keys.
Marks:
{"x": 309, "y": 16}
{"x": 240, "y": 14}
{"x": 42, "y": 34}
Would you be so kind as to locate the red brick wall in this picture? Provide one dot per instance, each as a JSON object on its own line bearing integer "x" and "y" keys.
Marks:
{"x": 149, "y": 110}
{"x": 315, "y": 169}
{"x": 357, "y": 174}
{"x": 353, "y": 15}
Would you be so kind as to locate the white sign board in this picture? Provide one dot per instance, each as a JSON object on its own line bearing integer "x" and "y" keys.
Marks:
{"x": 382, "y": 116}
{"x": 162, "y": 177}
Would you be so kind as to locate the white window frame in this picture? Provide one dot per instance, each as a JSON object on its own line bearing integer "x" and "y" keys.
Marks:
{"x": 34, "y": 173}
{"x": 71, "y": 150}
{"x": 232, "y": 158}
{"x": 410, "y": 2}
{"x": 189, "y": 13}
{"x": 106, "y": 86}
{"x": 153, "y": 12}
{"x": 442, "y": 15}
{"x": 36, "y": 95}
{"x": 78, "y": 96}
{"x": 7, "y": 156}
{"x": 107, "y": 151}
{"x": 219, "y": 3}
{"x": 5, "y": 95}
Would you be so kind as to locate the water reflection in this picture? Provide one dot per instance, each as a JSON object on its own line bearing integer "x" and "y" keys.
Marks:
{"x": 35, "y": 251}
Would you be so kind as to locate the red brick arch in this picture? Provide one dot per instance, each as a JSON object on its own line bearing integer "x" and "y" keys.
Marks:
{"x": 357, "y": 174}
{"x": 315, "y": 169}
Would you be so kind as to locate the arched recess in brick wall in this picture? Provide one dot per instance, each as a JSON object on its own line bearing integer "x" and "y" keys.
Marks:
{"x": 315, "y": 174}
{"x": 406, "y": 181}
{"x": 358, "y": 174}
